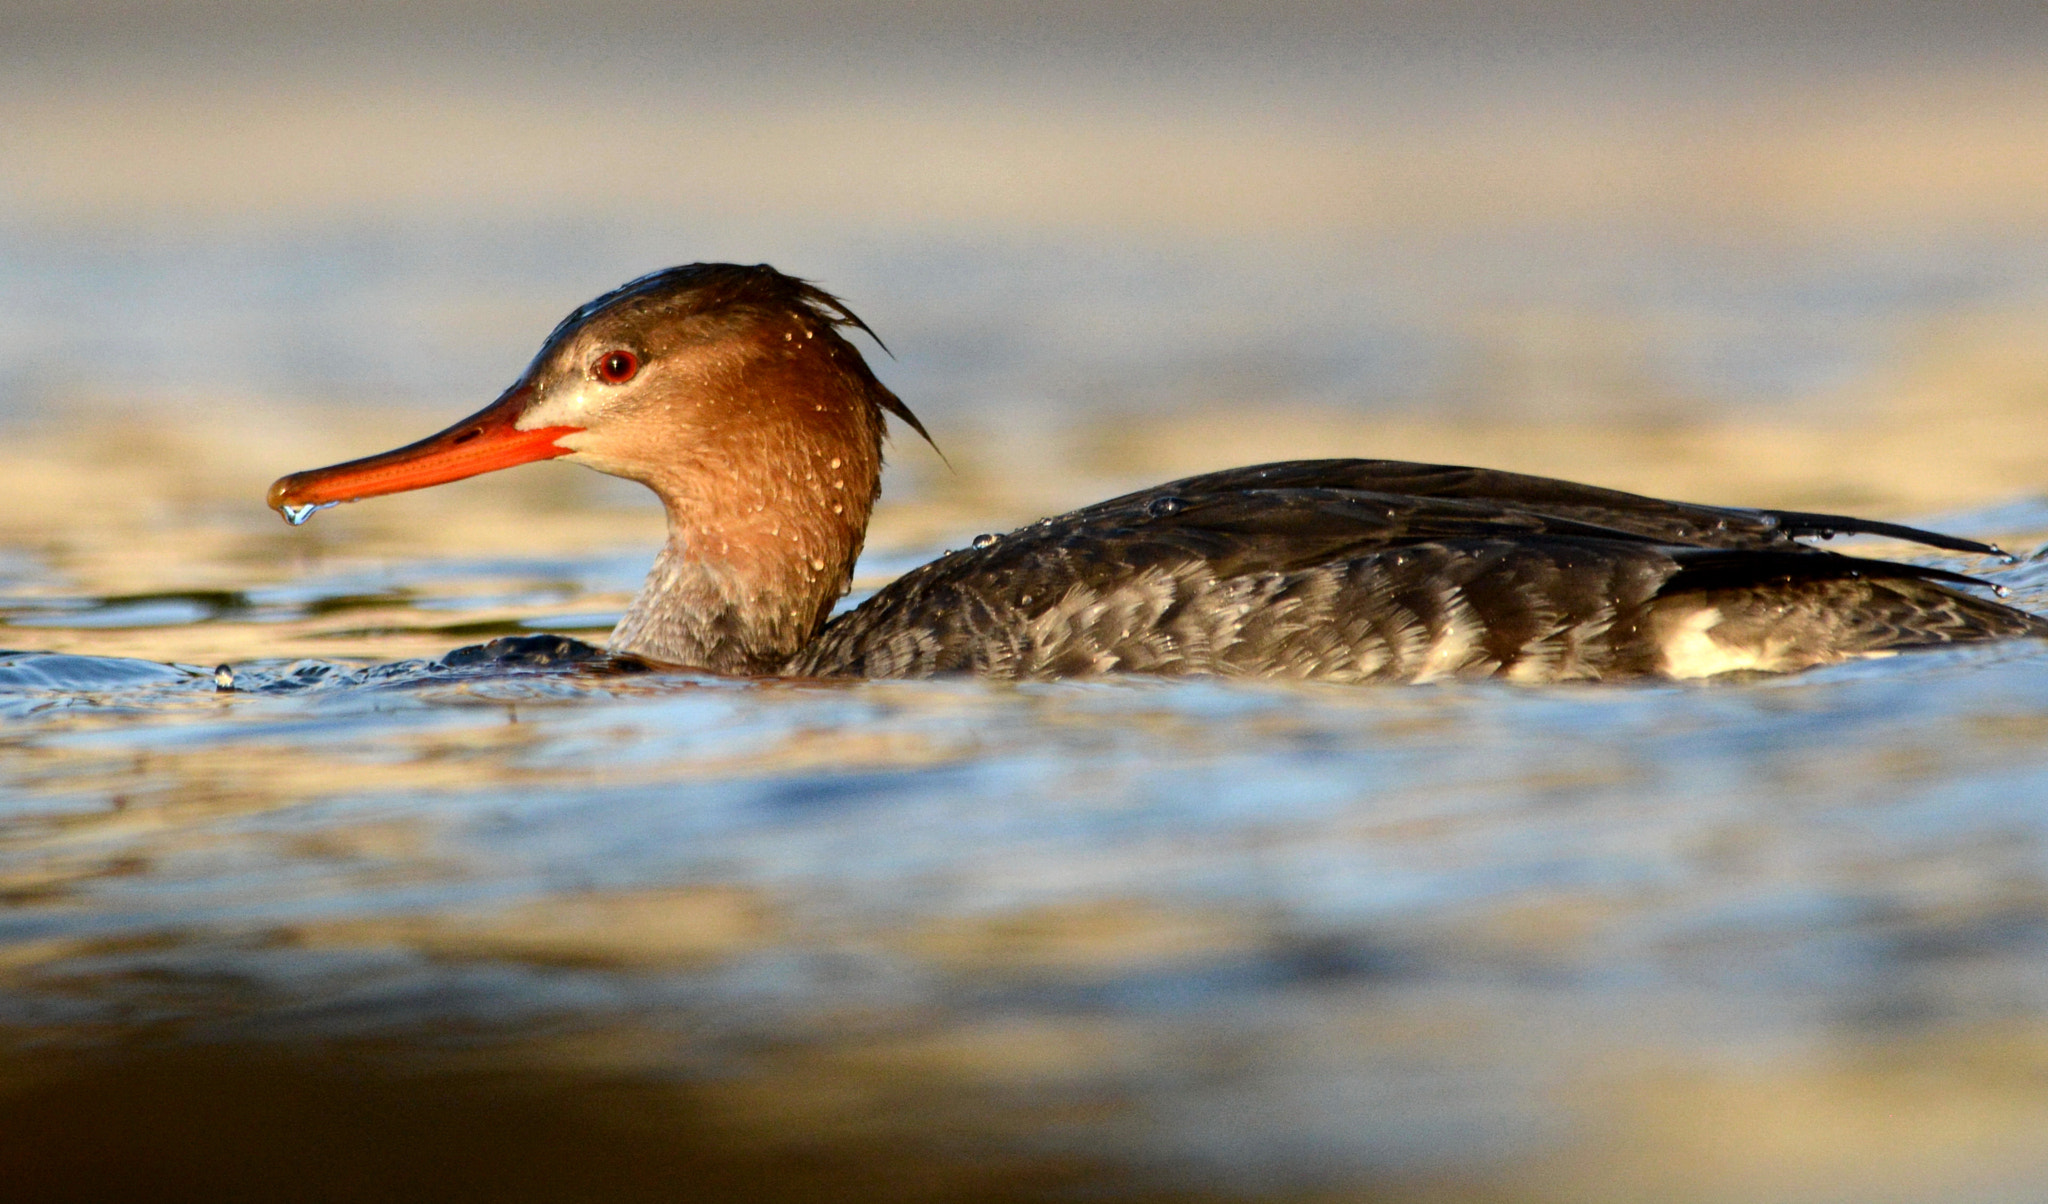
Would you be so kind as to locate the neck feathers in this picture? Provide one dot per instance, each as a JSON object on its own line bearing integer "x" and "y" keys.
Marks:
{"x": 767, "y": 510}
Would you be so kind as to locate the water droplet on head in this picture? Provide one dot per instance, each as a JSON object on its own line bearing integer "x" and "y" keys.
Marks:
{"x": 296, "y": 515}
{"x": 223, "y": 677}
{"x": 985, "y": 541}
{"x": 1162, "y": 507}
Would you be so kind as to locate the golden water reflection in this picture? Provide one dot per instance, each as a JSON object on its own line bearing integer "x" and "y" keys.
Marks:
{"x": 573, "y": 935}
{"x": 556, "y": 936}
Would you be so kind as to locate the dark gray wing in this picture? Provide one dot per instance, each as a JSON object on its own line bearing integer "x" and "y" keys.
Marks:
{"x": 1653, "y": 518}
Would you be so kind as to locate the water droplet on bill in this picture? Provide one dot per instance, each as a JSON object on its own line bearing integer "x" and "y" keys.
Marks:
{"x": 297, "y": 515}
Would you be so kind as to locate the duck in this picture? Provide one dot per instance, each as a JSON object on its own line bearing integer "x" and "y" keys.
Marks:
{"x": 734, "y": 393}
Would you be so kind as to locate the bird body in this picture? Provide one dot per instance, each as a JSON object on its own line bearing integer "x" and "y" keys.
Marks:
{"x": 730, "y": 392}
{"x": 1373, "y": 570}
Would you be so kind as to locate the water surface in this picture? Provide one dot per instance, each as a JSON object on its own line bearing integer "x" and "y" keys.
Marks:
{"x": 290, "y": 908}
{"x": 943, "y": 939}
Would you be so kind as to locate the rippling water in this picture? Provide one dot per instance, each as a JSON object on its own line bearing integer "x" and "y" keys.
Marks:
{"x": 294, "y": 905}
{"x": 1165, "y": 939}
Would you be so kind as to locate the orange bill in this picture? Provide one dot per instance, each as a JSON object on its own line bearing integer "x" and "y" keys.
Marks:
{"x": 483, "y": 442}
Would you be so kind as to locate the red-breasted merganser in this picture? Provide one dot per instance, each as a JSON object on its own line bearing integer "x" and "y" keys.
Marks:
{"x": 730, "y": 392}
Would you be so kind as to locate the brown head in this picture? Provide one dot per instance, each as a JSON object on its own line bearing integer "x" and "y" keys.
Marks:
{"x": 729, "y": 391}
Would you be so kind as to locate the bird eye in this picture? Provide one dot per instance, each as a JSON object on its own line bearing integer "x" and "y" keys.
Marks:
{"x": 615, "y": 367}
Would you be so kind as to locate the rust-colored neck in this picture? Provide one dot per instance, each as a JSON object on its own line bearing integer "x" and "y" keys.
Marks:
{"x": 767, "y": 504}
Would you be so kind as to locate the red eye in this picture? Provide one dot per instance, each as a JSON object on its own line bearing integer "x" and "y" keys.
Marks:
{"x": 616, "y": 367}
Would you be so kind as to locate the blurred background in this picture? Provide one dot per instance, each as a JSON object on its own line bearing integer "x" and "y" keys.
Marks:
{"x": 1752, "y": 252}
{"x": 893, "y": 942}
